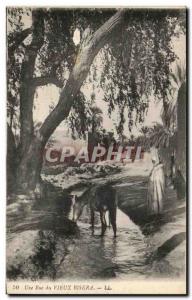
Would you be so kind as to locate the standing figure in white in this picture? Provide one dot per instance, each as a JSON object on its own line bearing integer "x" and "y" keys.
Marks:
{"x": 156, "y": 188}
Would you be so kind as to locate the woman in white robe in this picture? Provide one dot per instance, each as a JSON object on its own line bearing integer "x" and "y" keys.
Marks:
{"x": 156, "y": 188}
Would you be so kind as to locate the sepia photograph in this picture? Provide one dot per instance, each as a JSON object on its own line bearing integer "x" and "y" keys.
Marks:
{"x": 96, "y": 150}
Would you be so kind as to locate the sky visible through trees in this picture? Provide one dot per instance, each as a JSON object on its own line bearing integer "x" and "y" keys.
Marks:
{"x": 48, "y": 95}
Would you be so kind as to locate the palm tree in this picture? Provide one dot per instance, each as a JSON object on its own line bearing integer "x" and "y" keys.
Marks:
{"x": 170, "y": 137}
{"x": 161, "y": 135}
{"x": 178, "y": 79}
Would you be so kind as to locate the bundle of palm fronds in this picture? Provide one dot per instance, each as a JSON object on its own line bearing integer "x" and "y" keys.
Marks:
{"x": 169, "y": 115}
{"x": 164, "y": 135}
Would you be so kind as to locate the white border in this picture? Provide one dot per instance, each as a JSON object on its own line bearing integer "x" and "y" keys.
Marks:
{"x": 3, "y": 4}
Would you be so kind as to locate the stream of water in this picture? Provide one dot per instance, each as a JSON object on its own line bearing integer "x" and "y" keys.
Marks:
{"x": 45, "y": 253}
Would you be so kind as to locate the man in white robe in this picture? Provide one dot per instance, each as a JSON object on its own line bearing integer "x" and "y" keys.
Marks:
{"x": 156, "y": 188}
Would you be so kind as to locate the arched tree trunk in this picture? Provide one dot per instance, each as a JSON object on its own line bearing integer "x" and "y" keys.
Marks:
{"x": 28, "y": 174}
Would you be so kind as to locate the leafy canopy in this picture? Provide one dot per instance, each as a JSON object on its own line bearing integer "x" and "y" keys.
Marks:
{"x": 135, "y": 64}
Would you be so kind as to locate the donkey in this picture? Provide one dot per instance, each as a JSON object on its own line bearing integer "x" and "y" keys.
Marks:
{"x": 101, "y": 199}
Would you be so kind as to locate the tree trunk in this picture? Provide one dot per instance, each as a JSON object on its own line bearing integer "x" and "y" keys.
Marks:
{"x": 11, "y": 160}
{"x": 28, "y": 172}
{"x": 180, "y": 180}
{"x": 27, "y": 89}
{"x": 30, "y": 167}
{"x": 181, "y": 131}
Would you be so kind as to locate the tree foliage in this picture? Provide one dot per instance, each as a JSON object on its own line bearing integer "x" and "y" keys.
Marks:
{"x": 138, "y": 63}
{"x": 135, "y": 64}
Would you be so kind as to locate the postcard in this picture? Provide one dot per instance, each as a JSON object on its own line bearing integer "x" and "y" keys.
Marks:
{"x": 96, "y": 151}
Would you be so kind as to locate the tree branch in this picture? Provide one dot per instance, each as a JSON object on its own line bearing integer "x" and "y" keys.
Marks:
{"x": 79, "y": 74}
{"x": 17, "y": 38}
{"x": 44, "y": 80}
